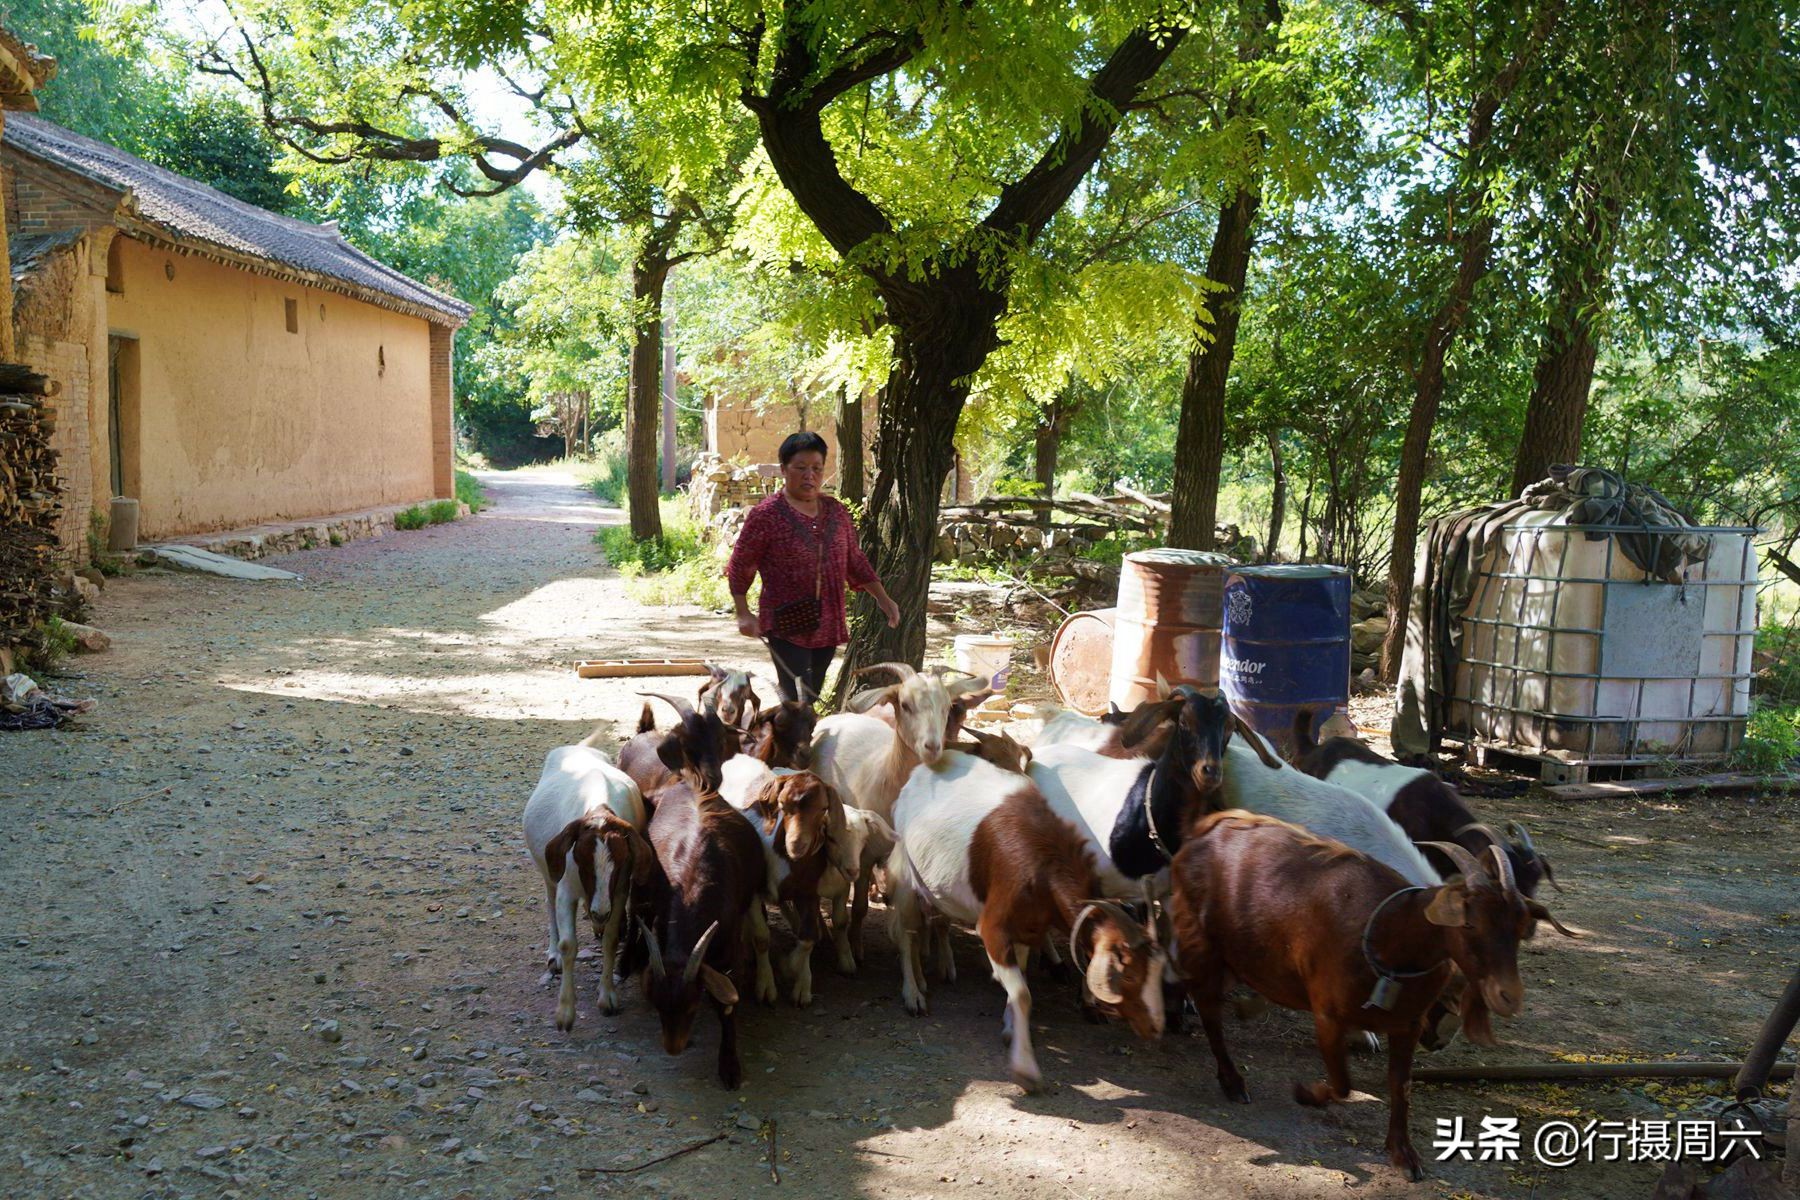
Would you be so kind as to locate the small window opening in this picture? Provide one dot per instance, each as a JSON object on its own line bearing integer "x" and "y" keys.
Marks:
{"x": 381, "y": 360}
{"x": 293, "y": 315}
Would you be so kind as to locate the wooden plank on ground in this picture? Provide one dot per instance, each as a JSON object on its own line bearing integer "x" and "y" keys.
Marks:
{"x": 1730, "y": 781}
{"x": 621, "y": 668}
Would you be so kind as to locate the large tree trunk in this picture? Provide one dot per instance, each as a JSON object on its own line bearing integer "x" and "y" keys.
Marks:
{"x": 850, "y": 447}
{"x": 1200, "y": 438}
{"x": 1277, "y": 506}
{"x": 1564, "y": 377}
{"x": 644, "y": 397}
{"x": 1052, "y": 427}
{"x": 915, "y": 451}
{"x": 1474, "y": 245}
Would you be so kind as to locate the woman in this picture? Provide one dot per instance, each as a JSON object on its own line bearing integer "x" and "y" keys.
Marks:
{"x": 804, "y": 544}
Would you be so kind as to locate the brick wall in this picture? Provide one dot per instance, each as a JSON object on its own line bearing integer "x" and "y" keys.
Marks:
{"x": 443, "y": 429}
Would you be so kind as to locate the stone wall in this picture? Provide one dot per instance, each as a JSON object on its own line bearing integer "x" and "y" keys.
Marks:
{"x": 53, "y": 319}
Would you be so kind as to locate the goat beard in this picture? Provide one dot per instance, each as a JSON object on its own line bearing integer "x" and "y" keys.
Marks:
{"x": 1477, "y": 1020}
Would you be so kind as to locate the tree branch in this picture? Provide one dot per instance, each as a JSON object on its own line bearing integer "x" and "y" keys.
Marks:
{"x": 1026, "y": 205}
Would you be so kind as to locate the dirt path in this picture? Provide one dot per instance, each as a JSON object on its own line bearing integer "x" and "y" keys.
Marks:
{"x": 298, "y": 804}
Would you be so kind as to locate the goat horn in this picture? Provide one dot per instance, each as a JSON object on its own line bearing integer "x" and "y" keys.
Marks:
{"x": 903, "y": 670}
{"x": 656, "y": 962}
{"x": 1503, "y": 869}
{"x": 1465, "y": 862}
{"x": 1087, "y": 910}
{"x": 1486, "y": 830}
{"x": 1134, "y": 930}
{"x": 1537, "y": 910}
{"x": 1255, "y": 741}
{"x": 699, "y": 954}
{"x": 675, "y": 702}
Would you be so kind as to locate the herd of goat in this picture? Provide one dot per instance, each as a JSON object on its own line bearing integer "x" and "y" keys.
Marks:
{"x": 1168, "y": 850}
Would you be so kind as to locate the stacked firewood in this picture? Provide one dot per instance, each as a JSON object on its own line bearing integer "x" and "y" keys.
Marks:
{"x": 30, "y": 503}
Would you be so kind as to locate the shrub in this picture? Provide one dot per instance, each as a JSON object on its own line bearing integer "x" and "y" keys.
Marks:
{"x": 678, "y": 568}
{"x": 470, "y": 491}
{"x": 52, "y": 642}
{"x": 441, "y": 512}
{"x": 1772, "y": 742}
{"x": 607, "y": 472}
{"x": 411, "y": 518}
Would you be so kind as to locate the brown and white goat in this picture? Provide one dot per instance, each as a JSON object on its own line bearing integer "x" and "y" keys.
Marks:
{"x": 1308, "y": 923}
{"x": 584, "y": 827}
{"x": 978, "y": 846}
{"x": 730, "y": 694}
{"x": 801, "y": 822}
{"x": 698, "y": 744}
{"x": 1423, "y": 805}
{"x": 782, "y": 736}
{"x": 702, "y": 902}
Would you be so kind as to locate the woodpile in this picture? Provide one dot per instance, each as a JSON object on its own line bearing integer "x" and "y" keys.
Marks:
{"x": 30, "y": 503}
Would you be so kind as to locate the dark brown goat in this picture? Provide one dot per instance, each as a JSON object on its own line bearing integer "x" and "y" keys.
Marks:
{"x": 711, "y": 875}
{"x": 695, "y": 747}
{"x": 1426, "y": 807}
{"x": 782, "y": 736}
{"x": 1303, "y": 921}
{"x": 799, "y": 817}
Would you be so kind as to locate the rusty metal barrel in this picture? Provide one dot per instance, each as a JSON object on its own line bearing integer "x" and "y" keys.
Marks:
{"x": 1081, "y": 660}
{"x": 1171, "y": 606}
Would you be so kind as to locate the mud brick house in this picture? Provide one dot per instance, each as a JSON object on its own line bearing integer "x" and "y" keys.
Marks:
{"x": 222, "y": 364}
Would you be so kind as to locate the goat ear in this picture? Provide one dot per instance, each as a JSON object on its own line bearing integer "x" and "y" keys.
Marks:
{"x": 864, "y": 700}
{"x": 837, "y": 832}
{"x": 1254, "y": 740}
{"x": 718, "y": 986}
{"x": 556, "y": 853}
{"x": 668, "y": 752}
{"x": 640, "y": 855}
{"x": 1448, "y": 908}
{"x": 1143, "y": 720}
{"x": 1477, "y": 1021}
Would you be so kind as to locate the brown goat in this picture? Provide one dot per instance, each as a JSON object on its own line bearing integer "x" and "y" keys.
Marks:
{"x": 697, "y": 745}
{"x": 1303, "y": 921}
{"x": 997, "y": 748}
{"x": 702, "y": 901}
{"x": 782, "y": 736}
{"x": 800, "y": 819}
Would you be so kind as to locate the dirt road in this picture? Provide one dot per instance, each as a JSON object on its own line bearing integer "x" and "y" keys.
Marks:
{"x": 272, "y": 932}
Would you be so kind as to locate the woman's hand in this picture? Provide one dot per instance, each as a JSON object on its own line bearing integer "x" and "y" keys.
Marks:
{"x": 889, "y": 609}
{"x": 747, "y": 625}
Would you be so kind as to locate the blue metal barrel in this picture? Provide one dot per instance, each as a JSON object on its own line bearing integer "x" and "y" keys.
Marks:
{"x": 1286, "y": 645}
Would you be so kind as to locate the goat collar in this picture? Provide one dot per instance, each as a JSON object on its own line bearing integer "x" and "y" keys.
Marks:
{"x": 1386, "y": 988}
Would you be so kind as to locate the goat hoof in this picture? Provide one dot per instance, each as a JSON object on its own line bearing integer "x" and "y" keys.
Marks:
{"x": 1407, "y": 1159}
{"x": 846, "y": 966}
{"x": 553, "y": 964}
{"x": 731, "y": 1077}
{"x": 565, "y": 1022}
{"x": 1092, "y": 1015}
{"x": 1234, "y": 1090}
{"x": 1029, "y": 1082}
{"x": 1313, "y": 1095}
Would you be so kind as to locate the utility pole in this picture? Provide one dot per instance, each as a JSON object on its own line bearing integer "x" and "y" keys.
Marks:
{"x": 668, "y": 416}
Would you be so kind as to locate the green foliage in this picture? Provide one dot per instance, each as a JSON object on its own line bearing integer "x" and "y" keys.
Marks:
{"x": 680, "y": 567}
{"x": 1772, "y": 741}
{"x": 51, "y": 643}
{"x": 470, "y": 491}
{"x": 606, "y": 472}
{"x": 441, "y": 512}
{"x": 412, "y": 518}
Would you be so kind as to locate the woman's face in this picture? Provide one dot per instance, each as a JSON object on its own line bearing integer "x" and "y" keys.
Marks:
{"x": 804, "y": 474}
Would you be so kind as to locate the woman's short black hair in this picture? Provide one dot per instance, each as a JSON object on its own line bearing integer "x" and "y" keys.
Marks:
{"x": 800, "y": 443}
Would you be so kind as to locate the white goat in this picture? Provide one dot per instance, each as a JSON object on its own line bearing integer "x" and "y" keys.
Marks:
{"x": 1322, "y": 808}
{"x": 584, "y": 825}
{"x": 868, "y": 761}
{"x": 1066, "y": 727}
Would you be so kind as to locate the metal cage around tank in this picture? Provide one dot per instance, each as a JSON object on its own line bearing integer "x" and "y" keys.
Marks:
{"x": 1606, "y": 667}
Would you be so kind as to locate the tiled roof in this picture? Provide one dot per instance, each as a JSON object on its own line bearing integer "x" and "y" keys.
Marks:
{"x": 194, "y": 212}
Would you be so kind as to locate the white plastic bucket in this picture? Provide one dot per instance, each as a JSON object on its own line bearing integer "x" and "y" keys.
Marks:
{"x": 983, "y": 654}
